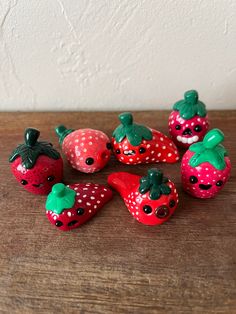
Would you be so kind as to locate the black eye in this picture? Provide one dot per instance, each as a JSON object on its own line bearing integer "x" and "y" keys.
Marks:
{"x": 80, "y": 211}
{"x": 147, "y": 209}
{"x": 178, "y": 127}
{"x": 172, "y": 203}
{"x": 117, "y": 151}
{"x": 198, "y": 128}
{"x": 89, "y": 161}
{"x": 142, "y": 150}
{"x": 108, "y": 146}
{"x": 24, "y": 182}
{"x": 58, "y": 223}
{"x": 193, "y": 179}
{"x": 51, "y": 178}
{"x": 219, "y": 183}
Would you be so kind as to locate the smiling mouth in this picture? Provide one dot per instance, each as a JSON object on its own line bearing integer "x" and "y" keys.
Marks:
{"x": 187, "y": 140}
{"x": 204, "y": 186}
{"x": 129, "y": 152}
{"x": 38, "y": 185}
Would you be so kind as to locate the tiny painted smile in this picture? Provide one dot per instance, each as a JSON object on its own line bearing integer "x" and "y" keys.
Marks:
{"x": 188, "y": 140}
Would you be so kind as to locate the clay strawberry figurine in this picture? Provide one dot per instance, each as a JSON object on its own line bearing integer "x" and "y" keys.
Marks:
{"x": 36, "y": 165}
{"x": 135, "y": 143}
{"x": 68, "y": 207}
{"x": 151, "y": 199}
{"x": 188, "y": 122}
{"x": 206, "y": 166}
{"x": 87, "y": 150}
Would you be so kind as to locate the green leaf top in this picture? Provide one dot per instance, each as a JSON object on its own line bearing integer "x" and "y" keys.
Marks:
{"x": 209, "y": 150}
{"x": 32, "y": 149}
{"x": 155, "y": 183}
{"x": 134, "y": 132}
{"x": 60, "y": 198}
{"x": 190, "y": 106}
{"x": 62, "y": 132}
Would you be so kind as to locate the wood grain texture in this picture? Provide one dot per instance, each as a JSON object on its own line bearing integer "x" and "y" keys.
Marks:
{"x": 113, "y": 264}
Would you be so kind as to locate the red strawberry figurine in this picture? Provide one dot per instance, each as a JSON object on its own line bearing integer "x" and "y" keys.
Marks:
{"x": 151, "y": 200}
{"x": 36, "y": 165}
{"x": 135, "y": 143}
{"x": 68, "y": 207}
{"x": 87, "y": 150}
{"x": 188, "y": 123}
{"x": 206, "y": 166}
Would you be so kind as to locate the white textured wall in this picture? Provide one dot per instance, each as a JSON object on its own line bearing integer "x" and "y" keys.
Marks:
{"x": 116, "y": 54}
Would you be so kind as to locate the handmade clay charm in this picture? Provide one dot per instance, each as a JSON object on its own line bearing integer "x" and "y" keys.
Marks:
{"x": 135, "y": 143}
{"x": 36, "y": 165}
{"x": 68, "y": 207}
{"x": 151, "y": 199}
{"x": 87, "y": 150}
{"x": 188, "y": 122}
{"x": 205, "y": 167}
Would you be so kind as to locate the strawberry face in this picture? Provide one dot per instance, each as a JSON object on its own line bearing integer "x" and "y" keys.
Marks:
{"x": 188, "y": 123}
{"x": 151, "y": 200}
{"x": 87, "y": 150}
{"x": 205, "y": 168}
{"x": 135, "y": 144}
{"x": 69, "y": 207}
{"x": 37, "y": 166}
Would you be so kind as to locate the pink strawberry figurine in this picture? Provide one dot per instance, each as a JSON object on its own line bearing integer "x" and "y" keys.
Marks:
{"x": 37, "y": 166}
{"x": 205, "y": 167}
{"x": 188, "y": 123}
{"x": 68, "y": 207}
{"x": 87, "y": 150}
{"x": 151, "y": 199}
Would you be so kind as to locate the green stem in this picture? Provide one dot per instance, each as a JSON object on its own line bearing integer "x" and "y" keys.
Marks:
{"x": 191, "y": 97}
{"x": 58, "y": 190}
{"x": 31, "y": 136}
{"x": 155, "y": 176}
{"x": 62, "y": 132}
{"x": 126, "y": 118}
{"x": 213, "y": 138}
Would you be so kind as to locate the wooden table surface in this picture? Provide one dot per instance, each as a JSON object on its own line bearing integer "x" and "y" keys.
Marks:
{"x": 113, "y": 264}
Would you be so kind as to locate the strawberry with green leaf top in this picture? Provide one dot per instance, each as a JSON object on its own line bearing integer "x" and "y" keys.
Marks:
{"x": 37, "y": 166}
{"x": 206, "y": 167}
{"x": 188, "y": 122}
{"x": 135, "y": 143}
{"x": 151, "y": 199}
{"x": 68, "y": 207}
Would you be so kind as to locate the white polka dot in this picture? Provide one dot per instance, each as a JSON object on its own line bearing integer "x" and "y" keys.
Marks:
{"x": 79, "y": 201}
{"x": 169, "y": 155}
{"x": 69, "y": 214}
{"x": 88, "y": 204}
